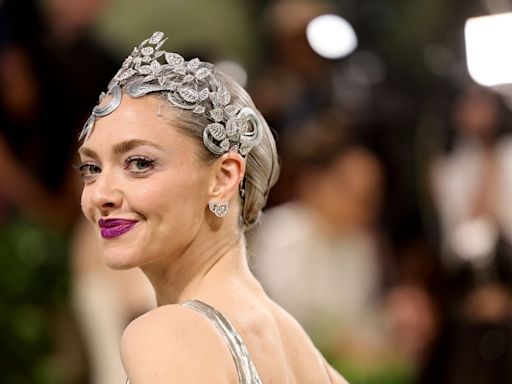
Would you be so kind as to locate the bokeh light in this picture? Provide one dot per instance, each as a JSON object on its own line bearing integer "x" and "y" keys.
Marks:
{"x": 489, "y": 57}
{"x": 331, "y": 36}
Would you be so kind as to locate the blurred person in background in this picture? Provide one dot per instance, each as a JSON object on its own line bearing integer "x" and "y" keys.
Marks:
{"x": 47, "y": 49}
{"x": 295, "y": 86}
{"x": 472, "y": 185}
{"x": 320, "y": 254}
{"x": 50, "y": 69}
{"x": 295, "y": 83}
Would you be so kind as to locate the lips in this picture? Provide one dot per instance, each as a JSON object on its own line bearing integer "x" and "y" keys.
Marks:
{"x": 112, "y": 228}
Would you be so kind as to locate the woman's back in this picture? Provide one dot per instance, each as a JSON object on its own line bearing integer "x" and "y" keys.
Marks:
{"x": 285, "y": 353}
{"x": 184, "y": 343}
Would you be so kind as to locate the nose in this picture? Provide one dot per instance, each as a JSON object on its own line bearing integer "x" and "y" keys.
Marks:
{"x": 106, "y": 194}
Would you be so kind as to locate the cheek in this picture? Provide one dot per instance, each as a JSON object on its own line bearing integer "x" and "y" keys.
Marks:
{"x": 172, "y": 199}
{"x": 85, "y": 204}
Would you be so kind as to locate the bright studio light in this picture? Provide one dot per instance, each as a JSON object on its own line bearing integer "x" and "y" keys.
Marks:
{"x": 331, "y": 36}
{"x": 488, "y": 49}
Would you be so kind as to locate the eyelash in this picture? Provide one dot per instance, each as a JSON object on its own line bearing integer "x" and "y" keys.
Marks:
{"x": 139, "y": 173}
{"x": 88, "y": 171}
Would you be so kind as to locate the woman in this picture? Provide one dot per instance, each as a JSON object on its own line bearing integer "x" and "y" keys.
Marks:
{"x": 177, "y": 164}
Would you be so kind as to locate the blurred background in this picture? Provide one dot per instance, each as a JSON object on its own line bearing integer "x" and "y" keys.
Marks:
{"x": 389, "y": 234}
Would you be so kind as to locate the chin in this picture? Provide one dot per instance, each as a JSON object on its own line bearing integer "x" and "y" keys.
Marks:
{"x": 118, "y": 262}
{"x": 119, "y": 257}
{"x": 123, "y": 252}
{"x": 115, "y": 264}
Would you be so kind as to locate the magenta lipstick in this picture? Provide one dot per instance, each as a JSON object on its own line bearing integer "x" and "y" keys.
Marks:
{"x": 112, "y": 228}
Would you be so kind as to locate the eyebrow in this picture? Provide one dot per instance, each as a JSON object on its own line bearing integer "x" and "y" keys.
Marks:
{"x": 121, "y": 147}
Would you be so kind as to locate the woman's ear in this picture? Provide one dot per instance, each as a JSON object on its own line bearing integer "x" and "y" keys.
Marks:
{"x": 228, "y": 173}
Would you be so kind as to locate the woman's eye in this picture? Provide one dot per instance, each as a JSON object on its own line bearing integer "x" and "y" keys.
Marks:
{"x": 139, "y": 166}
{"x": 88, "y": 171}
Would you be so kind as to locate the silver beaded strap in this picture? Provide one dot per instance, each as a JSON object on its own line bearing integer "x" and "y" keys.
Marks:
{"x": 247, "y": 373}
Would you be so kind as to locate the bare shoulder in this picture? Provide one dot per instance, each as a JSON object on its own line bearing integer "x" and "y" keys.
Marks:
{"x": 175, "y": 344}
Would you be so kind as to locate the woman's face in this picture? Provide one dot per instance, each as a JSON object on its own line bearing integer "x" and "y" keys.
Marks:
{"x": 145, "y": 189}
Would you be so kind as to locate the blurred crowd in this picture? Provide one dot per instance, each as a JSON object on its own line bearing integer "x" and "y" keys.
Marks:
{"x": 387, "y": 296}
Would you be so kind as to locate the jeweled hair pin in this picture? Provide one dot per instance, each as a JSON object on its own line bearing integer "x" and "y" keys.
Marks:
{"x": 189, "y": 85}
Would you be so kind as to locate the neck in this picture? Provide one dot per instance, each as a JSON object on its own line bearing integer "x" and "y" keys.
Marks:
{"x": 196, "y": 269}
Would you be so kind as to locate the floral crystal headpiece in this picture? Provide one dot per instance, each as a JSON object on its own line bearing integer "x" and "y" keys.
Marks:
{"x": 189, "y": 85}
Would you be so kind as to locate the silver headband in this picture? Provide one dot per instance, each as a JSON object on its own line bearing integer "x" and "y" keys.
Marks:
{"x": 189, "y": 85}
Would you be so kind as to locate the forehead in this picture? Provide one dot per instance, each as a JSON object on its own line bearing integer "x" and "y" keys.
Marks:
{"x": 136, "y": 119}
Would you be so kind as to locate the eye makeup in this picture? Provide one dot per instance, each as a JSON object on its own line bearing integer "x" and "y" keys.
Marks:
{"x": 139, "y": 166}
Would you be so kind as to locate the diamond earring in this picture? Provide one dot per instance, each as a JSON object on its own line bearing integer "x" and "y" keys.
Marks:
{"x": 219, "y": 208}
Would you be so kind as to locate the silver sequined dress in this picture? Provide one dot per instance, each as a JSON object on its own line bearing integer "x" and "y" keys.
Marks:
{"x": 247, "y": 373}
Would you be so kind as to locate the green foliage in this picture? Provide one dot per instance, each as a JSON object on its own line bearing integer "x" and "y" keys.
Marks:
{"x": 390, "y": 371}
{"x": 385, "y": 373}
{"x": 33, "y": 288}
